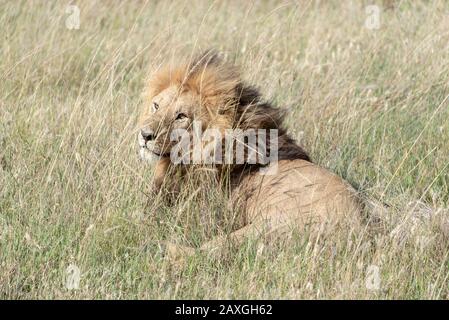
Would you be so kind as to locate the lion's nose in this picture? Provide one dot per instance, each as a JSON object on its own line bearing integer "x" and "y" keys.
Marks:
{"x": 147, "y": 134}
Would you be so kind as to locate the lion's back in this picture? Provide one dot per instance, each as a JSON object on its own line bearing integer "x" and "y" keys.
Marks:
{"x": 301, "y": 190}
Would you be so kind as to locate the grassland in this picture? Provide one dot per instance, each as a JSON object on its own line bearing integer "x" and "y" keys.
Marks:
{"x": 371, "y": 104}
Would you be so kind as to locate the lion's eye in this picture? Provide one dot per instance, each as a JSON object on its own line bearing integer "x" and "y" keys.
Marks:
{"x": 181, "y": 116}
{"x": 155, "y": 106}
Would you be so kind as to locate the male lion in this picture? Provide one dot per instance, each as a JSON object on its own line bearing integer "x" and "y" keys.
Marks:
{"x": 297, "y": 193}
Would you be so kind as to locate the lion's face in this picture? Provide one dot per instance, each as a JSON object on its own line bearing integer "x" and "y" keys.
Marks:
{"x": 169, "y": 110}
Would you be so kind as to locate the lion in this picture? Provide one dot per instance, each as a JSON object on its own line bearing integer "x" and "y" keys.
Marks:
{"x": 297, "y": 193}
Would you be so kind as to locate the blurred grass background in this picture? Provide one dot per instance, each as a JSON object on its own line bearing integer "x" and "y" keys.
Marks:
{"x": 369, "y": 104}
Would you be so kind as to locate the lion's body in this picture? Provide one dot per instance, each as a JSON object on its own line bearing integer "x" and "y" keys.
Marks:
{"x": 296, "y": 194}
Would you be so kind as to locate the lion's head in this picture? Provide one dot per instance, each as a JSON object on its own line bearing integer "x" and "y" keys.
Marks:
{"x": 202, "y": 91}
{"x": 205, "y": 91}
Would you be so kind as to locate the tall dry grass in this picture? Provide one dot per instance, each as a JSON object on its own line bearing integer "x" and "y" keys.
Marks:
{"x": 369, "y": 104}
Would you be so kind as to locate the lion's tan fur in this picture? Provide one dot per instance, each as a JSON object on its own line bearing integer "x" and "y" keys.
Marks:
{"x": 300, "y": 193}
